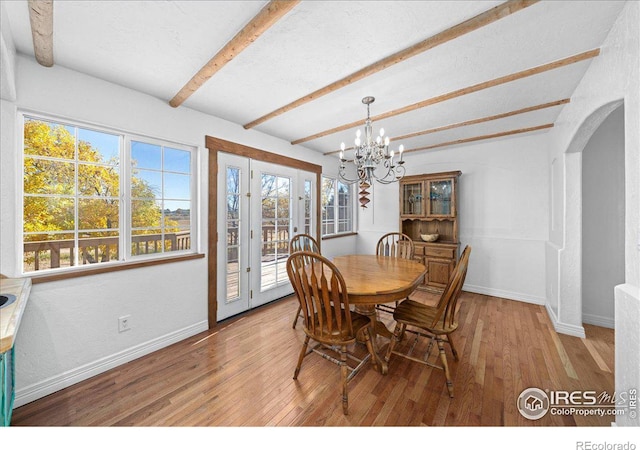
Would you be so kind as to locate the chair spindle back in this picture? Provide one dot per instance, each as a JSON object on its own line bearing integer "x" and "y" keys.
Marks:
{"x": 449, "y": 298}
{"x": 396, "y": 245}
{"x": 323, "y": 297}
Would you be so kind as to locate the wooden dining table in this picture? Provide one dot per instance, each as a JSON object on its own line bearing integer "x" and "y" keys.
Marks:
{"x": 373, "y": 280}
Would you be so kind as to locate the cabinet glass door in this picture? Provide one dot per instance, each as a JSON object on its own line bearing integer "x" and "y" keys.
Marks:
{"x": 412, "y": 199}
{"x": 440, "y": 197}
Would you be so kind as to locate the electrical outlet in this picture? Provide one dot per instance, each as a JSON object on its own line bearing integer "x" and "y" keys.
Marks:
{"x": 124, "y": 323}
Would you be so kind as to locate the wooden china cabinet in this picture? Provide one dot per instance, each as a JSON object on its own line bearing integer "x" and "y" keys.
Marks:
{"x": 428, "y": 205}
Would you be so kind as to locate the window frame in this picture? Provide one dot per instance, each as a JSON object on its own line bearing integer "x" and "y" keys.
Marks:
{"x": 336, "y": 206}
{"x": 126, "y": 258}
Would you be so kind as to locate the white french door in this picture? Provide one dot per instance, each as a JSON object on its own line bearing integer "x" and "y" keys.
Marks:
{"x": 233, "y": 232}
{"x": 264, "y": 206}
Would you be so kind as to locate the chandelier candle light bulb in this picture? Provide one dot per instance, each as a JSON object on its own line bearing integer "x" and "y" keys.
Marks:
{"x": 372, "y": 157}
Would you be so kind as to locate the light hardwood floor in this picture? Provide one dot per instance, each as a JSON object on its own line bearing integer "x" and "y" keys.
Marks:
{"x": 240, "y": 374}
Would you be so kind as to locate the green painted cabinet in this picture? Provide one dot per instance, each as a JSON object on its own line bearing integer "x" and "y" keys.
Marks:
{"x": 6, "y": 380}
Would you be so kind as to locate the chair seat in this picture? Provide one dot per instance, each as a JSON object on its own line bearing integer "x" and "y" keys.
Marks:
{"x": 420, "y": 315}
{"x": 336, "y": 334}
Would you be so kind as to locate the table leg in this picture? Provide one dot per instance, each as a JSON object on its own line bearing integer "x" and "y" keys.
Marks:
{"x": 377, "y": 329}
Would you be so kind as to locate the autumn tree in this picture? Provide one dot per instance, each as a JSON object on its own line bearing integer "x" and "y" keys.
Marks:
{"x": 49, "y": 178}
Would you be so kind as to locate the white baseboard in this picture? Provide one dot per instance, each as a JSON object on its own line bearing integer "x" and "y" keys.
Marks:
{"x": 564, "y": 328}
{"x": 66, "y": 379}
{"x": 600, "y": 321}
{"x": 505, "y": 294}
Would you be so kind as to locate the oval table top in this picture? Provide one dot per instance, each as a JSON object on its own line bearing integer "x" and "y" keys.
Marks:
{"x": 373, "y": 279}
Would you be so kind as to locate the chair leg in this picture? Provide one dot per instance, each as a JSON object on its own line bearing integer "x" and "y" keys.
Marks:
{"x": 453, "y": 349}
{"x": 445, "y": 366}
{"x": 402, "y": 335}
{"x": 344, "y": 371}
{"x": 301, "y": 357}
{"x": 398, "y": 332}
{"x": 295, "y": 319}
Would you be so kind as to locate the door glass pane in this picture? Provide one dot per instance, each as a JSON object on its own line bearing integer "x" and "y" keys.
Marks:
{"x": 276, "y": 225}
{"x": 232, "y": 241}
{"x": 412, "y": 198}
{"x": 440, "y": 197}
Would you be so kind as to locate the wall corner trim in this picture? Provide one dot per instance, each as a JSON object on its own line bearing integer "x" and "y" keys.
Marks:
{"x": 564, "y": 328}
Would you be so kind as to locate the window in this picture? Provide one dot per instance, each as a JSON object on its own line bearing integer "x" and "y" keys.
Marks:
{"x": 337, "y": 207}
{"x": 95, "y": 196}
{"x": 160, "y": 190}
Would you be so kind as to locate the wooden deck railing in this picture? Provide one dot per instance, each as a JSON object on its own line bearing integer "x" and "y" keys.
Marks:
{"x": 279, "y": 237}
{"x": 269, "y": 234}
{"x": 42, "y": 255}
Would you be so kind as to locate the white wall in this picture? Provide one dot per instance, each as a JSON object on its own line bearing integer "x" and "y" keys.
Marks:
{"x": 612, "y": 79}
{"x": 8, "y": 58}
{"x": 381, "y": 216}
{"x": 345, "y": 245}
{"x": 69, "y": 330}
{"x": 502, "y": 210}
{"x": 603, "y": 220}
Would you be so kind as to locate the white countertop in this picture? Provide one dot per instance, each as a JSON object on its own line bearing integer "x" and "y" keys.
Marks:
{"x": 11, "y": 315}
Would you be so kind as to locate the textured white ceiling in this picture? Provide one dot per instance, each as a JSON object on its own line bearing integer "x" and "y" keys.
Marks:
{"x": 157, "y": 46}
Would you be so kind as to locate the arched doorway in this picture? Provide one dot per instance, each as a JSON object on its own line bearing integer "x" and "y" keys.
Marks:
{"x": 570, "y": 302}
{"x": 603, "y": 211}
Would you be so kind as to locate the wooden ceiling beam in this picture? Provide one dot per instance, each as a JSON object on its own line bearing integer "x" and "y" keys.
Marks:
{"x": 480, "y": 138}
{"x": 460, "y": 92}
{"x": 472, "y": 122}
{"x": 41, "y": 19}
{"x": 269, "y": 15}
{"x": 503, "y": 10}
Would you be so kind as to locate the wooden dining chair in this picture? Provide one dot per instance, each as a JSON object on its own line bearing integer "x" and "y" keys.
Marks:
{"x": 395, "y": 245}
{"x": 434, "y": 322}
{"x": 328, "y": 320}
{"x": 302, "y": 242}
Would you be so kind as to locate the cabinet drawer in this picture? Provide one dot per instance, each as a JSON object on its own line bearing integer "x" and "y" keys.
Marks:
{"x": 440, "y": 252}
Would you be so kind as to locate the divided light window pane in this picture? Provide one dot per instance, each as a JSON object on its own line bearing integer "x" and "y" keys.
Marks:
{"x": 160, "y": 199}
{"x": 337, "y": 207}
{"x": 71, "y": 192}
{"x": 73, "y": 212}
